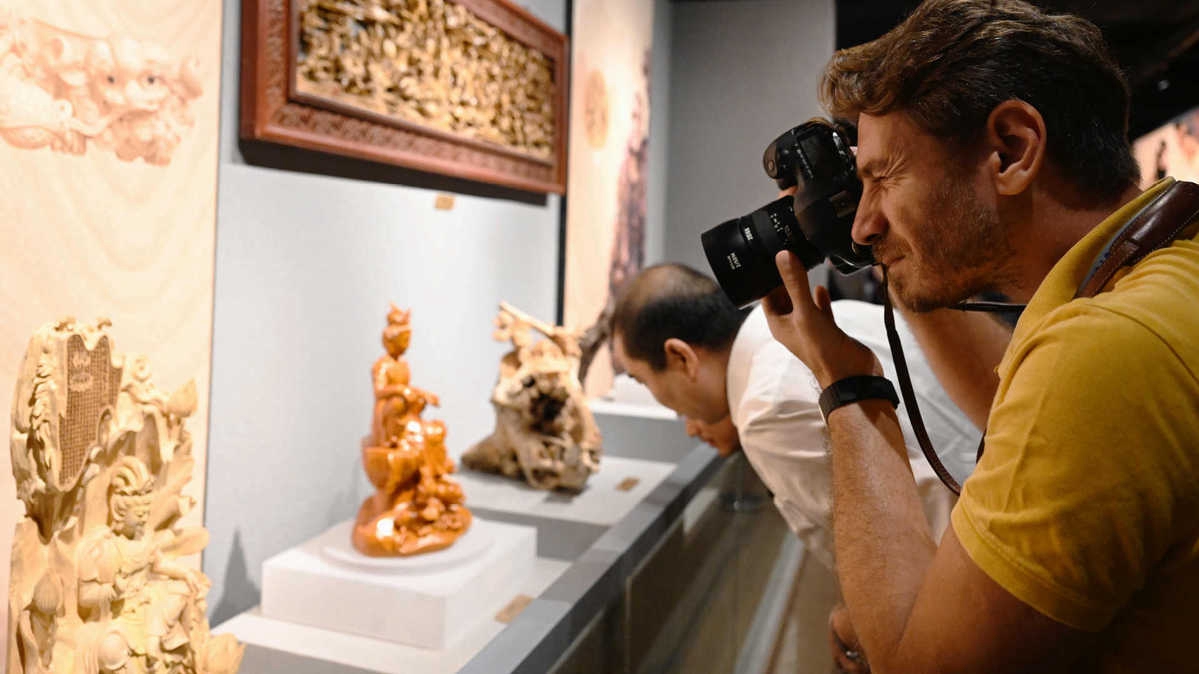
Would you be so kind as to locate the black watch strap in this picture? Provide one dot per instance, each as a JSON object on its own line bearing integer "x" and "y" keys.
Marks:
{"x": 853, "y": 389}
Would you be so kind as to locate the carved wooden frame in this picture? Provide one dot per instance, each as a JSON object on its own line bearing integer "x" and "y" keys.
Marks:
{"x": 273, "y": 110}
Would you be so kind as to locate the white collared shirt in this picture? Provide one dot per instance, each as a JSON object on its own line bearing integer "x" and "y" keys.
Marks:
{"x": 774, "y": 403}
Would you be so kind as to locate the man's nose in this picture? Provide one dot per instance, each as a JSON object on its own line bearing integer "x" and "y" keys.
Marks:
{"x": 869, "y": 225}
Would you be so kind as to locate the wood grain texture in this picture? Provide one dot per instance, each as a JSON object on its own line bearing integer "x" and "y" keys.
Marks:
{"x": 609, "y": 122}
{"x": 93, "y": 235}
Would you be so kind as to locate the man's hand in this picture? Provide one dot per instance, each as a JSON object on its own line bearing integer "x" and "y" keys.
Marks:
{"x": 804, "y": 324}
{"x": 848, "y": 655}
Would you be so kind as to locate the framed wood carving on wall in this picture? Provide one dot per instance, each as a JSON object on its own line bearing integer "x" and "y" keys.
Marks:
{"x": 474, "y": 89}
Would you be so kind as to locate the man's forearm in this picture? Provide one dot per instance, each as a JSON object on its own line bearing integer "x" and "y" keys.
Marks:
{"x": 882, "y": 539}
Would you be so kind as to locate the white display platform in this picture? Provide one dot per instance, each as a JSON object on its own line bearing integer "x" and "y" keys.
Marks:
{"x": 601, "y": 502}
{"x": 382, "y": 656}
{"x": 405, "y": 601}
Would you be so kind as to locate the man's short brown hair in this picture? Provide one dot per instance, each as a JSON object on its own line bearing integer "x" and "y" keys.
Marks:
{"x": 952, "y": 61}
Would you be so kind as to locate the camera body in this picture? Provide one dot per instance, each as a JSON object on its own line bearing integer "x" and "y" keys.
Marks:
{"x": 816, "y": 158}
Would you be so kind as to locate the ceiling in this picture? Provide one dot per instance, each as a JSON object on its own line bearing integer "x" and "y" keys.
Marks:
{"x": 1155, "y": 41}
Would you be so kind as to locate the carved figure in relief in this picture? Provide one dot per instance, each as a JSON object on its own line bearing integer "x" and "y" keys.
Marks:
{"x": 429, "y": 62}
{"x": 101, "y": 456}
{"x": 38, "y": 625}
{"x": 128, "y": 580}
{"x": 544, "y": 431}
{"x": 64, "y": 90}
{"x": 416, "y": 506}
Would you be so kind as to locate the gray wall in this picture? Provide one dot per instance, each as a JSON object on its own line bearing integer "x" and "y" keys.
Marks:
{"x": 742, "y": 72}
{"x": 659, "y": 132}
{"x": 305, "y": 267}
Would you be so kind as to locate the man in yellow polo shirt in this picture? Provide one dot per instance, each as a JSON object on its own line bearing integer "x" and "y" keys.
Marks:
{"x": 993, "y": 154}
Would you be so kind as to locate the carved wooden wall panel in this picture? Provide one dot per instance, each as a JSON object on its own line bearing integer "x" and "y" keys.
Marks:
{"x": 474, "y": 89}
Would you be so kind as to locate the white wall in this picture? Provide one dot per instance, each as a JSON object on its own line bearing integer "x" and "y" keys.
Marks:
{"x": 306, "y": 265}
{"x": 742, "y": 72}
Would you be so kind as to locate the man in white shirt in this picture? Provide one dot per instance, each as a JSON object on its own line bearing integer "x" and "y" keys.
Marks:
{"x": 675, "y": 331}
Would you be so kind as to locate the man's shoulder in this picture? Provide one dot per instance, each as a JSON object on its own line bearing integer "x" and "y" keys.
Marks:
{"x": 1160, "y": 294}
{"x": 1094, "y": 376}
{"x": 772, "y": 383}
{"x": 861, "y": 320}
{"x": 1144, "y": 315}
{"x": 1101, "y": 333}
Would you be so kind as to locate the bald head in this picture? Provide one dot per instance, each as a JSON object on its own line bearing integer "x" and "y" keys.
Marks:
{"x": 673, "y": 301}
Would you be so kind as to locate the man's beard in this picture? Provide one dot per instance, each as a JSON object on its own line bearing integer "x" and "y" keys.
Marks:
{"x": 959, "y": 251}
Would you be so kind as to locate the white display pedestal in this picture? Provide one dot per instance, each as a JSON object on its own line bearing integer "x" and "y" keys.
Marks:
{"x": 425, "y": 601}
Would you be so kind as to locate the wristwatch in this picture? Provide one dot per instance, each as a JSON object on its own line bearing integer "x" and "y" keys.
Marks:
{"x": 853, "y": 389}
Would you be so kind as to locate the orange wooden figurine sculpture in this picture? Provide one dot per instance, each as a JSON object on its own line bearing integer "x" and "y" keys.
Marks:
{"x": 417, "y": 507}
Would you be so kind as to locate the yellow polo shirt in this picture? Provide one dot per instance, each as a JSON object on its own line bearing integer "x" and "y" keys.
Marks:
{"x": 1085, "y": 504}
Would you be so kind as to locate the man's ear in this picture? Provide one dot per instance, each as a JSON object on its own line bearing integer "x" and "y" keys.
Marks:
{"x": 1016, "y": 144}
{"x": 680, "y": 356}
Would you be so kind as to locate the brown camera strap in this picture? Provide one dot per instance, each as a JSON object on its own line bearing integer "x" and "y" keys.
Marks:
{"x": 1157, "y": 225}
{"x": 909, "y": 396}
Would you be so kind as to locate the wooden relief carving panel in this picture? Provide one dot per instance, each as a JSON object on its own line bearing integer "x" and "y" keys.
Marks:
{"x": 110, "y": 207}
{"x": 436, "y": 65}
{"x": 468, "y": 88}
{"x": 100, "y": 456}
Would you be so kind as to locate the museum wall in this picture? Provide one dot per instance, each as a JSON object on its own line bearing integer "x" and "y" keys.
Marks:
{"x": 741, "y": 73}
{"x": 310, "y": 251}
{"x": 659, "y": 132}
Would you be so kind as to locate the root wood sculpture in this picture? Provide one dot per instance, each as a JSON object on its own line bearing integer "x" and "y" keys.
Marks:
{"x": 544, "y": 431}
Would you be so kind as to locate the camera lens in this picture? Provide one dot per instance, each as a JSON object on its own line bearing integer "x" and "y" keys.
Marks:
{"x": 741, "y": 251}
{"x": 816, "y": 159}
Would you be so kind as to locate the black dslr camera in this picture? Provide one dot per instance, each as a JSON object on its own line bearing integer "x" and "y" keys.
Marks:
{"x": 814, "y": 224}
